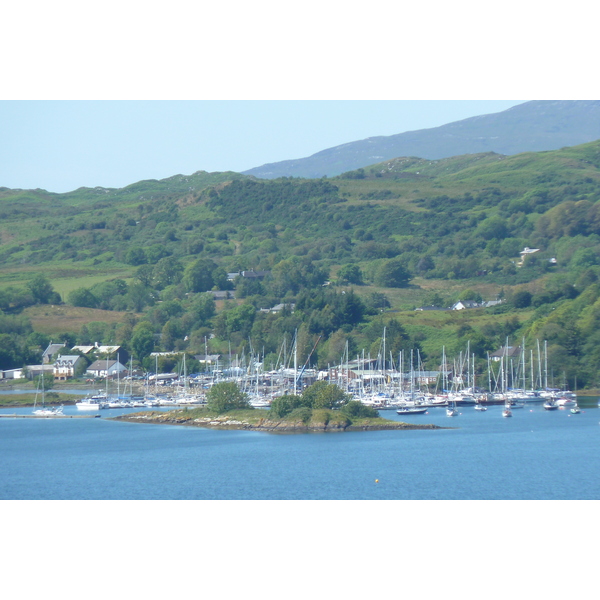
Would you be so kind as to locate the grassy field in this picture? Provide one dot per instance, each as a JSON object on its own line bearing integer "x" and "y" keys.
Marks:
{"x": 25, "y": 399}
{"x": 57, "y": 319}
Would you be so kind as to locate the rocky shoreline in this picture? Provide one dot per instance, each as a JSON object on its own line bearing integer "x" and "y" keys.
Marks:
{"x": 263, "y": 424}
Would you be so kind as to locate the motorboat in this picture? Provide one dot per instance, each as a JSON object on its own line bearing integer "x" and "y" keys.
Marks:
{"x": 410, "y": 410}
{"x": 550, "y": 404}
{"x": 92, "y": 403}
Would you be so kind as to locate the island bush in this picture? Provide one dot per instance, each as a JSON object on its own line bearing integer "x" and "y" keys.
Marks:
{"x": 226, "y": 396}
{"x": 354, "y": 408}
{"x": 284, "y": 405}
{"x": 302, "y": 413}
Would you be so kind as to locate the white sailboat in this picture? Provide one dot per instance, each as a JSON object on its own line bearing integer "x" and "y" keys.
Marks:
{"x": 451, "y": 410}
{"x": 45, "y": 411}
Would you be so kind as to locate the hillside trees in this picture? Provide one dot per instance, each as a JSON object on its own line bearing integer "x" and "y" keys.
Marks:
{"x": 350, "y": 274}
{"x": 42, "y": 291}
{"x": 293, "y": 274}
{"x": 203, "y": 275}
{"x": 167, "y": 271}
{"x": 82, "y": 297}
{"x": 142, "y": 340}
{"x": 392, "y": 273}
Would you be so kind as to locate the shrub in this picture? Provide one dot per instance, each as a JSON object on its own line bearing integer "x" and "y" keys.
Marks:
{"x": 354, "y": 408}
{"x": 226, "y": 396}
{"x": 302, "y": 413}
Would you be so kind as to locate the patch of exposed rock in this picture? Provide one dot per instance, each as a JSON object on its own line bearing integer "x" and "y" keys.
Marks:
{"x": 269, "y": 425}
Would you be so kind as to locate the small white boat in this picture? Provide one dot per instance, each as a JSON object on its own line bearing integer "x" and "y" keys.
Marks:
{"x": 480, "y": 407}
{"x": 92, "y": 403}
{"x": 49, "y": 411}
{"x": 566, "y": 402}
{"x": 507, "y": 412}
{"x": 45, "y": 411}
{"x": 451, "y": 410}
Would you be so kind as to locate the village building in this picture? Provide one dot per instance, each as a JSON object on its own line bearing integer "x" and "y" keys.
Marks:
{"x": 66, "y": 365}
{"x": 50, "y": 353}
{"x": 100, "y": 368}
{"x": 461, "y": 305}
{"x": 278, "y": 308}
{"x": 208, "y": 359}
{"x": 36, "y": 370}
{"x": 12, "y": 373}
{"x": 223, "y": 295}
{"x": 507, "y": 351}
{"x": 252, "y": 274}
{"x": 524, "y": 253}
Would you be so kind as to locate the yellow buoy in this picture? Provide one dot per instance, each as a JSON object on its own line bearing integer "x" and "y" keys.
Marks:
{"x": 377, "y": 481}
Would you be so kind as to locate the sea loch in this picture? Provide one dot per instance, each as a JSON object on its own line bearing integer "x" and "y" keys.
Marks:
{"x": 535, "y": 455}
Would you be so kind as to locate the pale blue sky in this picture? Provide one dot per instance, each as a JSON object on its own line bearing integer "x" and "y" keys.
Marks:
{"x": 62, "y": 145}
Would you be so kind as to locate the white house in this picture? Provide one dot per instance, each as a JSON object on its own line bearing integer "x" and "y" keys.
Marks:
{"x": 11, "y": 374}
{"x": 525, "y": 252}
{"x": 465, "y": 304}
{"x": 99, "y": 368}
{"x": 65, "y": 365}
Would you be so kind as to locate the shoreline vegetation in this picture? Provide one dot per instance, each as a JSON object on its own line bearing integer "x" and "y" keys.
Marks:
{"x": 257, "y": 420}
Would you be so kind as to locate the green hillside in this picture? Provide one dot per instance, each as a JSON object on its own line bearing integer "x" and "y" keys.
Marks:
{"x": 388, "y": 238}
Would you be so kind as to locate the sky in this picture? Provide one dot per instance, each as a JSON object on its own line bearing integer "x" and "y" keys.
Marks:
{"x": 108, "y": 98}
{"x": 61, "y": 145}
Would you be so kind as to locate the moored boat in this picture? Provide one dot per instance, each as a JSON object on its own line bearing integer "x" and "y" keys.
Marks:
{"x": 451, "y": 410}
{"x": 409, "y": 410}
{"x": 95, "y": 402}
{"x": 550, "y": 404}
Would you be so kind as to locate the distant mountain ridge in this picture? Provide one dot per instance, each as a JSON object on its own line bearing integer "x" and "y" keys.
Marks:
{"x": 533, "y": 126}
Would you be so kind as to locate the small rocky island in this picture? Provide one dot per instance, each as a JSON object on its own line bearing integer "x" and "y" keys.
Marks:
{"x": 260, "y": 420}
{"x": 321, "y": 407}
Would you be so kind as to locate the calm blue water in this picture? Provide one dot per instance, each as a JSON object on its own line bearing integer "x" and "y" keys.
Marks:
{"x": 534, "y": 455}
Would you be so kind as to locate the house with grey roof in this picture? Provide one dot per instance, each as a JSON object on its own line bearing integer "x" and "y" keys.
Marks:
{"x": 51, "y": 352}
{"x": 66, "y": 365}
{"x": 100, "y": 368}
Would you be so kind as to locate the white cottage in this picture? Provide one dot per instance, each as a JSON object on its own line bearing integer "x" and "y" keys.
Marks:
{"x": 100, "y": 368}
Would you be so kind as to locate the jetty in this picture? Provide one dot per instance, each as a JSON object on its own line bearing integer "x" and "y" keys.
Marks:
{"x": 14, "y": 416}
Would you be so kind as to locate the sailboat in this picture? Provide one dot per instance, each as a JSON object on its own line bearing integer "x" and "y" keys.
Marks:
{"x": 45, "y": 411}
{"x": 507, "y": 412}
{"x": 451, "y": 410}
